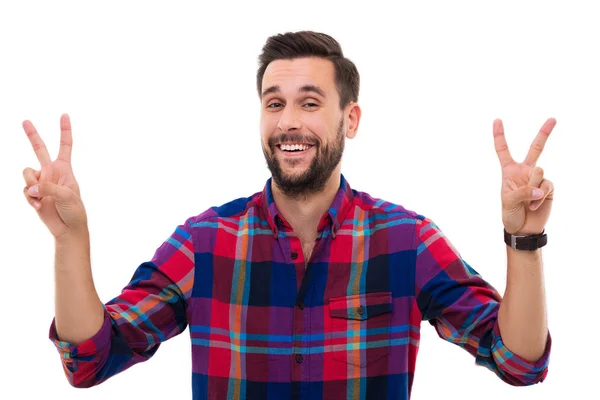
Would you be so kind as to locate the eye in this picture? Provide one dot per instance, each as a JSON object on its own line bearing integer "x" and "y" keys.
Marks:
{"x": 311, "y": 105}
{"x": 274, "y": 105}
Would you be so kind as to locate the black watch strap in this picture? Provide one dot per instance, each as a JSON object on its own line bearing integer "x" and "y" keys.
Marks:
{"x": 521, "y": 242}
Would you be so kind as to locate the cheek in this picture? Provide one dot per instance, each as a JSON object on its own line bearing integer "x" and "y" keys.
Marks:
{"x": 263, "y": 130}
{"x": 321, "y": 129}
{"x": 267, "y": 125}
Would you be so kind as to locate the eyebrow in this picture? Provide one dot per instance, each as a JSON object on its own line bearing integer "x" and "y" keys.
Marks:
{"x": 305, "y": 89}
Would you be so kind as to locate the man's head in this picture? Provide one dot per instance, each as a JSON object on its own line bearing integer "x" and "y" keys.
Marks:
{"x": 309, "y": 93}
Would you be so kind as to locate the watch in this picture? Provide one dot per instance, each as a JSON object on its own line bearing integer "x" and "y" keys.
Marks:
{"x": 526, "y": 242}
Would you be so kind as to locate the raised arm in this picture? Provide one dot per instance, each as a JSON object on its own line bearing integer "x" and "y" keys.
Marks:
{"x": 95, "y": 340}
{"x": 54, "y": 193}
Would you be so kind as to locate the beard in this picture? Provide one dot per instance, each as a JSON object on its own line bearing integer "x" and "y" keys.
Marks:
{"x": 314, "y": 179}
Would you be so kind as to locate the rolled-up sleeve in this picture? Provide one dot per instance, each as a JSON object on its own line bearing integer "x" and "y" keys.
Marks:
{"x": 81, "y": 362}
{"x": 511, "y": 367}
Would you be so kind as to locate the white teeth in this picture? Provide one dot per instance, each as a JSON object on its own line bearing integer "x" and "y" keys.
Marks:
{"x": 292, "y": 147}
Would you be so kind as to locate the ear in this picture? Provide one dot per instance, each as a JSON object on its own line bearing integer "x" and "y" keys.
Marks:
{"x": 352, "y": 113}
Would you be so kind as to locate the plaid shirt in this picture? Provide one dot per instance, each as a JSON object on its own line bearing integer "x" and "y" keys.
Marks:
{"x": 266, "y": 325}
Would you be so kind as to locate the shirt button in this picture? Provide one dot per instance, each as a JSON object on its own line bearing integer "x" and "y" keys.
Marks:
{"x": 301, "y": 305}
{"x": 294, "y": 255}
{"x": 360, "y": 310}
{"x": 299, "y": 358}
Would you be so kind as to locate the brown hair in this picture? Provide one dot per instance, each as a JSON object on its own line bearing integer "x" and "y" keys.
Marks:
{"x": 292, "y": 45}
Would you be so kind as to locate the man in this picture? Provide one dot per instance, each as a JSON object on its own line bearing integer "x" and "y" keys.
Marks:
{"x": 307, "y": 289}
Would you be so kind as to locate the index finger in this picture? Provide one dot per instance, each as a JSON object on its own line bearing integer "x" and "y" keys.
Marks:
{"x": 501, "y": 145}
{"x": 39, "y": 147}
{"x": 66, "y": 138}
{"x": 539, "y": 142}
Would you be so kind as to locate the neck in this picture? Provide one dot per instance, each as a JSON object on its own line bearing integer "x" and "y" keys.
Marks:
{"x": 304, "y": 213}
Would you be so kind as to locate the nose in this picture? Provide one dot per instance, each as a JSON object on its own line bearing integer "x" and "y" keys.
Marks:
{"x": 289, "y": 120}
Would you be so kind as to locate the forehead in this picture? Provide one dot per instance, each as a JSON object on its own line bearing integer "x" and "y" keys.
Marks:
{"x": 290, "y": 75}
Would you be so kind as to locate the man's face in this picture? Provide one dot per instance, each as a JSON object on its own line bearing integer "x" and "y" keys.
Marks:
{"x": 302, "y": 127}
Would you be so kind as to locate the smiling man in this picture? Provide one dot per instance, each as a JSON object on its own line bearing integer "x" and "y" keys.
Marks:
{"x": 307, "y": 289}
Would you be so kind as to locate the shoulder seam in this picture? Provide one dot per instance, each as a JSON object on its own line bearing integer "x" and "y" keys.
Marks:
{"x": 251, "y": 203}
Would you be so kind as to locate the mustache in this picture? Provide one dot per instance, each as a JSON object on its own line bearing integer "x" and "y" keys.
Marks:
{"x": 284, "y": 138}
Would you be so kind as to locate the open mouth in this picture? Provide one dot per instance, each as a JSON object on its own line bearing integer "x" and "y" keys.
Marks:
{"x": 295, "y": 148}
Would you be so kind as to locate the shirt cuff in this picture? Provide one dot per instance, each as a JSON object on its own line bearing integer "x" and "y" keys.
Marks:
{"x": 91, "y": 347}
{"x": 515, "y": 369}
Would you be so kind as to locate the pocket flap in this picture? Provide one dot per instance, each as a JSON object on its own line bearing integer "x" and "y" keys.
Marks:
{"x": 360, "y": 306}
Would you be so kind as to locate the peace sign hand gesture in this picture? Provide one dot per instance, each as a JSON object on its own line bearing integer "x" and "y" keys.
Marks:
{"x": 526, "y": 195}
{"x": 53, "y": 190}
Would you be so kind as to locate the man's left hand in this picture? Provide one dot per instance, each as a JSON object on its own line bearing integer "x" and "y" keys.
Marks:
{"x": 526, "y": 194}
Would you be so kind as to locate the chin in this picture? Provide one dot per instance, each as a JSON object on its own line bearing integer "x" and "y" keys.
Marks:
{"x": 294, "y": 177}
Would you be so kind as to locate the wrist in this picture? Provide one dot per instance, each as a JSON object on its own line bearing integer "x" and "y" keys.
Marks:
{"x": 525, "y": 242}
{"x": 524, "y": 259}
{"x": 72, "y": 236}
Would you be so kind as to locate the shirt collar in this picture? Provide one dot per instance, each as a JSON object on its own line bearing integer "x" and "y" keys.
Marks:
{"x": 342, "y": 202}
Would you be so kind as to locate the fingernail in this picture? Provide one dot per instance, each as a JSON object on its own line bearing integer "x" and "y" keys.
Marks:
{"x": 35, "y": 204}
{"x": 33, "y": 191}
{"x": 537, "y": 193}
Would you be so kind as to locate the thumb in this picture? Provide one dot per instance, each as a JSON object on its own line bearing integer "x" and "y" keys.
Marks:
{"x": 60, "y": 194}
{"x": 522, "y": 194}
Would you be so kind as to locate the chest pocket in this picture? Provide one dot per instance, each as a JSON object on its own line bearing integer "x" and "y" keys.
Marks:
{"x": 360, "y": 327}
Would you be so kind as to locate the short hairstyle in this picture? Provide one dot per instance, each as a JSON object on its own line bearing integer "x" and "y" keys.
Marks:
{"x": 292, "y": 45}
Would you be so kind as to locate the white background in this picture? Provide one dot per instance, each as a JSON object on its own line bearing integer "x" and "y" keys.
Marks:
{"x": 165, "y": 118}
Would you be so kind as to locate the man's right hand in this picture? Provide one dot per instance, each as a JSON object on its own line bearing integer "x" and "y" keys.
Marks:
{"x": 53, "y": 190}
